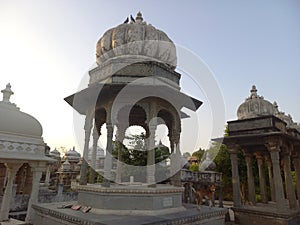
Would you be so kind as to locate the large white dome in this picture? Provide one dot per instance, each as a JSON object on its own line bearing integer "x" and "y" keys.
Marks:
{"x": 13, "y": 121}
{"x": 136, "y": 38}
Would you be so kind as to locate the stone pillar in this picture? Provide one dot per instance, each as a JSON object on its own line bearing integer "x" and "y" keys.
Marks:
{"x": 28, "y": 181}
{"x": 47, "y": 178}
{"x": 94, "y": 155}
{"x": 151, "y": 153}
{"x": 2, "y": 177}
{"x": 121, "y": 135}
{"x": 171, "y": 138}
{"x": 176, "y": 160}
{"x": 12, "y": 169}
{"x": 250, "y": 178}
{"x": 262, "y": 178}
{"x": 108, "y": 155}
{"x": 237, "y": 200}
{"x": 289, "y": 185}
{"x": 37, "y": 174}
{"x": 271, "y": 181}
{"x": 87, "y": 129}
{"x": 296, "y": 163}
{"x": 221, "y": 197}
{"x": 274, "y": 149}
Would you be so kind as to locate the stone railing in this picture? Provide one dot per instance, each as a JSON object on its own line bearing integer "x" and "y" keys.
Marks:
{"x": 206, "y": 177}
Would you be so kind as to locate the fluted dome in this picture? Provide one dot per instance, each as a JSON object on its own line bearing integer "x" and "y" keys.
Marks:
{"x": 255, "y": 106}
{"x": 72, "y": 155}
{"x": 136, "y": 38}
{"x": 55, "y": 154}
{"x": 13, "y": 121}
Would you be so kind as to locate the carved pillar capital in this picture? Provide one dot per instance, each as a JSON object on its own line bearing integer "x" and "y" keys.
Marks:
{"x": 273, "y": 144}
{"x": 233, "y": 148}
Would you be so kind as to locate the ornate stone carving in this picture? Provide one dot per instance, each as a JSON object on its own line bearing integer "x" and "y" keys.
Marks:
{"x": 136, "y": 39}
{"x": 254, "y": 106}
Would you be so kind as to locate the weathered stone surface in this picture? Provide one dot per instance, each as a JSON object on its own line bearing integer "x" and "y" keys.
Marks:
{"x": 136, "y": 38}
{"x": 265, "y": 216}
{"x": 49, "y": 214}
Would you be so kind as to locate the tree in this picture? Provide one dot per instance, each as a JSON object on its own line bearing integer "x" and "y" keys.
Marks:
{"x": 199, "y": 154}
{"x": 135, "y": 156}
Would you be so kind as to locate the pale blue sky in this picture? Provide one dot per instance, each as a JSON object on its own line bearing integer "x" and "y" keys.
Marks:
{"x": 47, "y": 46}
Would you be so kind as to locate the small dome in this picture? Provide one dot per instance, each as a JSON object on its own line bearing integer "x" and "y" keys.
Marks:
{"x": 254, "y": 106}
{"x": 13, "y": 121}
{"x": 72, "y": 155}
{"x": 136, "y": 38}
{"x": 55, "y": 153}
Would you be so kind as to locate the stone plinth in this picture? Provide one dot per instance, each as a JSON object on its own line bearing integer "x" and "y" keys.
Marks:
{"x": 50, "y": 214}
{"x": 265, "y": 214}
{"x": 129, "y": 205}
{"x": 132, "y": 197}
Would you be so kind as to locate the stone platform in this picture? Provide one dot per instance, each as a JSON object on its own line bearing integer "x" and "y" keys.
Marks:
{"x": 266, "y": 214}
{"x": 50, "y": 214}
{"x": 131, "y": 198}
{"x": 128, "y": 205}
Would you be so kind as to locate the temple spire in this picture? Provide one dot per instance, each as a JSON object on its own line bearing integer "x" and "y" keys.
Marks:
{"x": 7, "y": 92}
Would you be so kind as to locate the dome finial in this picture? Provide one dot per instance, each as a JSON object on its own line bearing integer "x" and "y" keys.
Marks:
{"x": 139, "y": 17}
{"x": 7, "y": 92}
{"x": 253, "y": 92}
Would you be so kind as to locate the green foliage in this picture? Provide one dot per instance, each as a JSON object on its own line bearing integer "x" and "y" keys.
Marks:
{"x": 199, "y": 154}
{"x": 136, "y": 154}
{"x": 194, "y": 167}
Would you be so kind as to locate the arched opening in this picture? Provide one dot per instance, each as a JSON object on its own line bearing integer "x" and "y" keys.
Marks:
{"x": 24, "y": 179}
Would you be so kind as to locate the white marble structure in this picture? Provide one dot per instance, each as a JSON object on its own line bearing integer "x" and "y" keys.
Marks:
{"x": 134, "y": 84}
{"x": 21, "y": 143}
